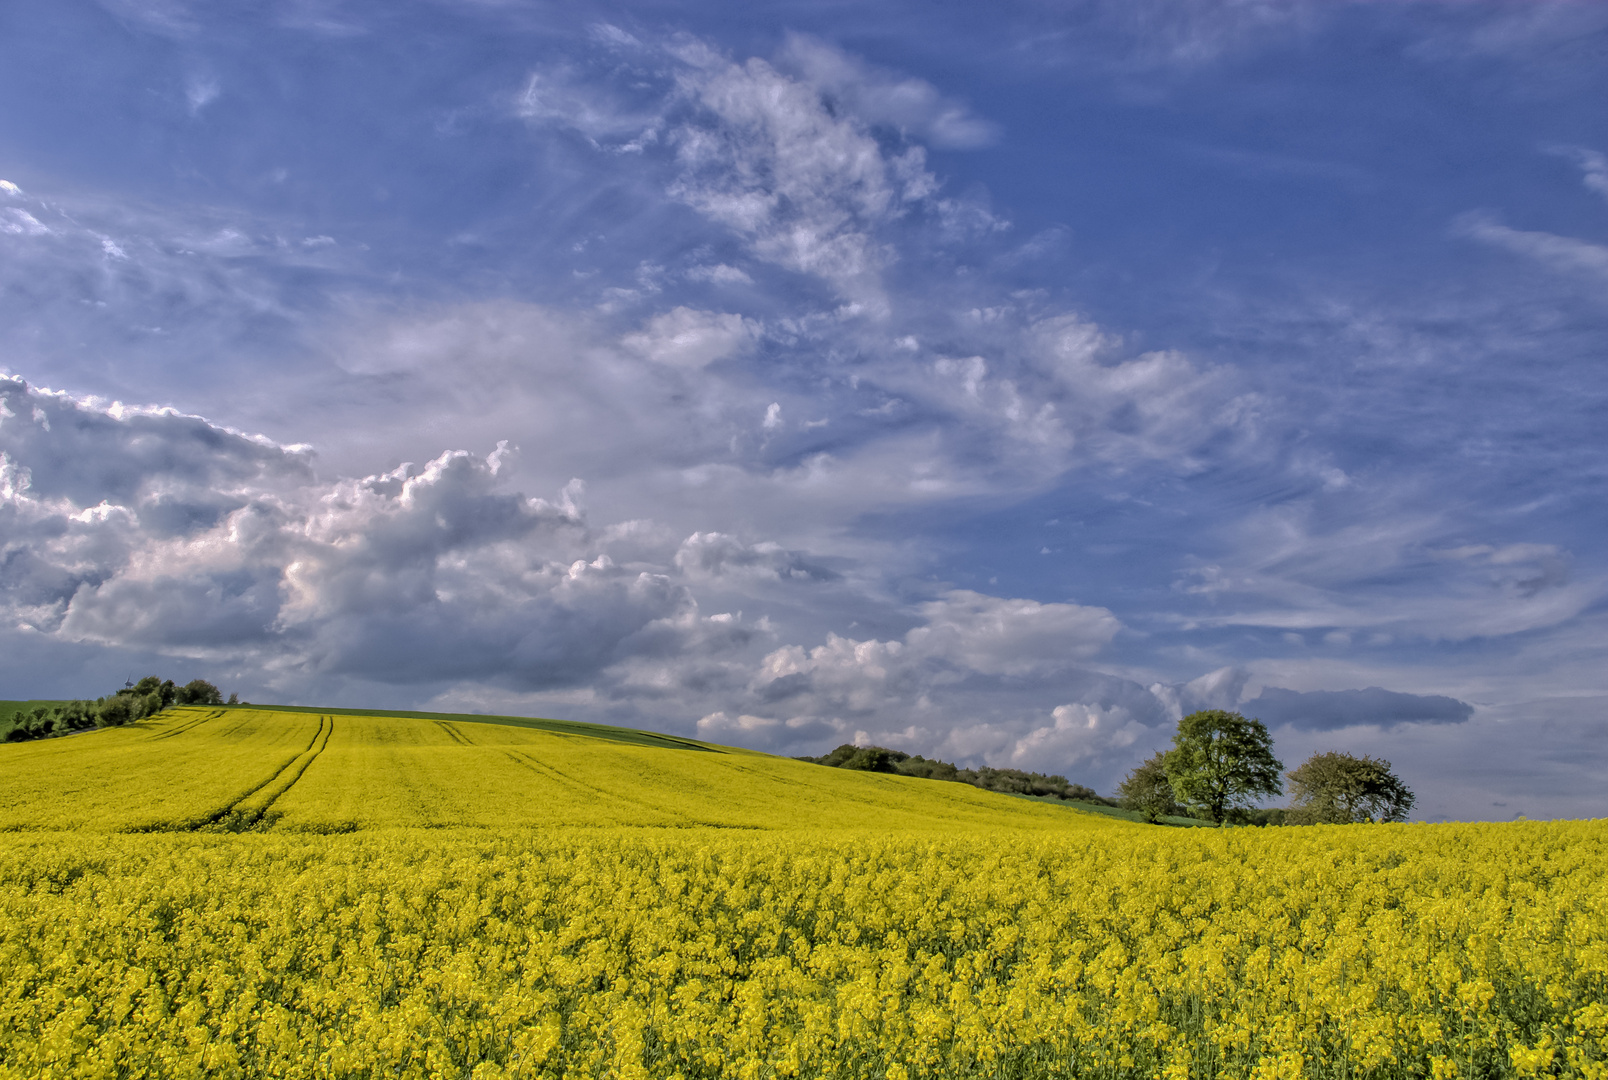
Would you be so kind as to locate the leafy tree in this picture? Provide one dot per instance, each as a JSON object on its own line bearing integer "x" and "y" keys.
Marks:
{"x": 1337, "y": 788}
{"x": 1148, "y": 790}
{"x": 115, "y": 710}
{"x": 198, "y": 692}
{"x": 1220, "y": 761}
{"x": 873, "y": 759}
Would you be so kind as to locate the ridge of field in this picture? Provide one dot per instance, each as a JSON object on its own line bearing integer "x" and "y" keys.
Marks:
{"x": 562, "y": 727}
{"x": 212, "y": 769}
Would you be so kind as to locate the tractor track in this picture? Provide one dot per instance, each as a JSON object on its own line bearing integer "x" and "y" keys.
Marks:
{"x": 189, "y": 725}
{"x": 229, "y": 819}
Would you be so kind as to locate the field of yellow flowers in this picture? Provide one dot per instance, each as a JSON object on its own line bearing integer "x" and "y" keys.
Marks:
{"x": 858, "y": 930}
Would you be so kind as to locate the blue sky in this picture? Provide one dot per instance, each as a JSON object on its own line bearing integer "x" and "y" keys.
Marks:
{"x": 995, "y": 382}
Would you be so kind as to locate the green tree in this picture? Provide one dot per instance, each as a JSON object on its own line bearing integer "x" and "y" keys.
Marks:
{"x": 116, "y": 709}
{"x": 1220, "y": 761}
{"x": 1148, "y": 790}
{"x": 1338, "y": 788}
{"x": 198, "y": 692}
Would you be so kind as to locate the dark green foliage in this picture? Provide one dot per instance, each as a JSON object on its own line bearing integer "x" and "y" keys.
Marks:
{"x": 1259, "y": 816}
{"x": 1009, "y": 781}
{"x": 38, "y": 720}
{"x": 116, "y": 710}
{"x": 1220, "y": 762}
{"x": 1338, "y": 789}
{"x": 1149, "y": 791}
{"x": 198, "y": 692}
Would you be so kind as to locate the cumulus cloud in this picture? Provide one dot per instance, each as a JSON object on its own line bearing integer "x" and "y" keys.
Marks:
{"x": 1219, "y": 689}
{"x": 1078, "y": 733}
{"x": 145, "y": 528}
{"x": 997, "y": 636}
{"x": 149, "y": 528}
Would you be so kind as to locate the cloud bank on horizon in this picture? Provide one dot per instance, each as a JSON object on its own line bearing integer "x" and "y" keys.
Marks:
{"x": 998, "y": 386}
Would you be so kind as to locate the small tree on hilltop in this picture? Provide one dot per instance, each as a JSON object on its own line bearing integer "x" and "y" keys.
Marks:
{"x": 198, "y": 692}
{"x": 1221, "y": 761}
{"x": 1148, "y": 790}
{"x": 1337, "y": 788}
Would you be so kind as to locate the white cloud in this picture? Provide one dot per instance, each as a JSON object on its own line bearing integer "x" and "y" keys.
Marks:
{"x": 997, "y": 636}
{"x": 1562, "y": 253}
{"x": 201, "y": 92}
{"x": 562, "y": 97}
{"x": 1077, "y": 733}
{"x": 720, "y": 274}
{"x": 1387, "y": 572}
{"x": 1593, "y": 167}
{"x": 765, "y": 157}
{"x": 686, "y": 338}
{"x": 713, "y": 555}
{"x": 19, "y": 222}
{"x": 914, "y": 106}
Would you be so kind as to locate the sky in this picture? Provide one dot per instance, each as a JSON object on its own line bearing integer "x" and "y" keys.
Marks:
{"x": 993, "y": 382}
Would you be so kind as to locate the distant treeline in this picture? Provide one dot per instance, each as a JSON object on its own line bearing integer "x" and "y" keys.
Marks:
{"x": 1010, "y": 781}
{"x": 147, "y": 697}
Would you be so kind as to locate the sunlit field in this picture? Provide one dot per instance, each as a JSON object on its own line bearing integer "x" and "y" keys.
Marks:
{"x": 247, "y": 893}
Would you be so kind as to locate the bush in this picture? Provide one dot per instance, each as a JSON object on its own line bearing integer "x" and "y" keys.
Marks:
{"x": 116, "y": 710}
{"x": 1008, "y": 781}
{"x": 198, "y": 692}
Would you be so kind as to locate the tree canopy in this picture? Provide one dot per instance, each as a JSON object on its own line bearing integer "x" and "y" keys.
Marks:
{"x": 199, "y": 692}
{"x": 1148, "y": 790}
{"x": 1220, "y": 762}
{"x": 1338, "y": 788}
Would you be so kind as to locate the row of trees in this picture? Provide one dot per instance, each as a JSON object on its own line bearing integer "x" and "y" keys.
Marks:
{"x": 133, "y": 702}
{"x": 1012, "y": 781}
{"x": 1221, "y": 764}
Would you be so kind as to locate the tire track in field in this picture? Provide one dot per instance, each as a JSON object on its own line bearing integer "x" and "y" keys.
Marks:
{"x": 306, "y": 759}
{"x": 453, "y": 733}
{"x": 541, "y": 768}
{"x": 222, "y": 816}
{"x": 188, "y": 725}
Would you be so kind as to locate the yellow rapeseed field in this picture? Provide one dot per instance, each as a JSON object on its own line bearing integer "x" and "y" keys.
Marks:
{"x": 373, "y": 897}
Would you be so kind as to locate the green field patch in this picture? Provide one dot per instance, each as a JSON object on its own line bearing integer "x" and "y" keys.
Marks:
{"x": 11, "y": 710}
